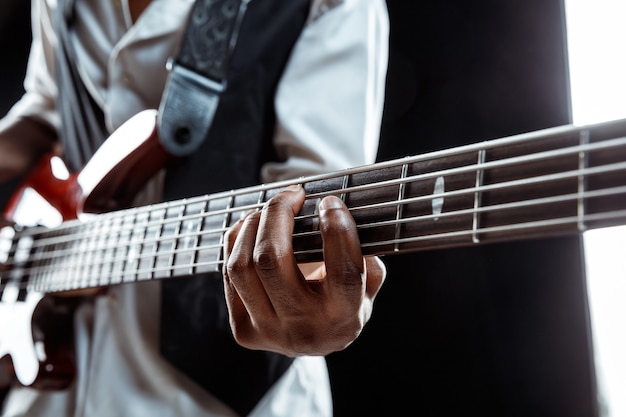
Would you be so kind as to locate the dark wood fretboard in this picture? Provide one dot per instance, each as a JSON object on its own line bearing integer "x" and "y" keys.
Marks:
{"x": 551, "y": 182}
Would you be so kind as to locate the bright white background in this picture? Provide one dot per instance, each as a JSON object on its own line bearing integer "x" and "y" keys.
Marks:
{"x": 597, "y": 54}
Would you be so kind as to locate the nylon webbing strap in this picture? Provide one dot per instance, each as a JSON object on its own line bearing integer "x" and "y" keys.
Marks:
{"x": 198, "y": 75}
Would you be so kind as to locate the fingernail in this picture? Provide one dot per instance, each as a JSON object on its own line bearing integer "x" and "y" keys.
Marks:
{"x": 330, "y": 202}
{"x": 293, "y": 187}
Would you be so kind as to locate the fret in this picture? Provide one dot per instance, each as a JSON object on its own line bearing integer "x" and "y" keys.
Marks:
{"x": 76, "y": 277}
{"x": 66, "y": 270}
{"x": 431, "y": 185}
{"x": 190, "y": 228}
{"x": 204, "y": 206}
{"x": 219, "y": 212}
{"x": 140, "y": 246}
{"x": 20, "y": 269}
{"x": 609, "y": 160}
{"x": 118, "y": 241}
{"x": 152, "y": 244}
{"x": 62, "y": 264}
{"x": 344, "y": 186}
{"x": 171, "y": 231}
{"x": 54, "y": 266}
{"x": 41, "y": 266}
{"x": 162, "y": 257}
{"x": 400, "y": 206}
{"x": 107, "y": 250}
{"x": 225, "y": 224}
{"x": 583, "y": 161}
{"x": 127, "y": 253}
{"x": 261, "y": 200}
{"x": 71, "y": 252}
{"x": 19, "y": 273}
{"x": 91, "y": 259}
{"x": 80, "y": 265}
{"x": 307, "y": 220}
{"x": 480, "y": 175}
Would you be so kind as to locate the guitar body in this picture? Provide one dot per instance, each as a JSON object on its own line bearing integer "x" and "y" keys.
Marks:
{"x": 109, "y": 181}
{"x": 36, "y": 329}
{"x": 37, "y": 343}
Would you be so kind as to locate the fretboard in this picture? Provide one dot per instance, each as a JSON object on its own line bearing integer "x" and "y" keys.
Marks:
{"x": 551, "y": 182}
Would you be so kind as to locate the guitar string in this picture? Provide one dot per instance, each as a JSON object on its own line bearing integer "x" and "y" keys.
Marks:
{"x": 414, "y": 219}
{"x": 68, "y": 238}
{"x": 501, "y": 163}
{"x": 101, "y": 261}
{"x": 537, "y": 157}
{"x": 170, "y": 271}
{"x": 577, "y": 149}
{"x": 85, "y": 235}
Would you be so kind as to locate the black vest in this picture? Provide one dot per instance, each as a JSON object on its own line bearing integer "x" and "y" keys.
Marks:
{"x": 195, "y": 334}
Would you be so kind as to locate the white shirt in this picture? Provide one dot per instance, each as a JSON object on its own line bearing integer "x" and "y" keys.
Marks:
{"x": 342, "y": 53}
{"x": 329, "y": 101}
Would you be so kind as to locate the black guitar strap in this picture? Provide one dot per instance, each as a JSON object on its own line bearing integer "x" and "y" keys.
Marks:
{"x": 196, "y": 81}
{"x": 198, "y": 75}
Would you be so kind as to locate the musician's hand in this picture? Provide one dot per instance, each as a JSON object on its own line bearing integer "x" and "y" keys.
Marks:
{"x": 272, "y": 306}
{"x": 23, "y": 142}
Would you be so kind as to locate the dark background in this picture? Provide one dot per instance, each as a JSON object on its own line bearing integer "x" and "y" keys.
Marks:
{"x": 14, "y": 44}
{"x": 497, "y": 330}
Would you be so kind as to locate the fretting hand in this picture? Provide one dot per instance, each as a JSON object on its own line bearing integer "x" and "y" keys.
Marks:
{"x": 273, "y": 306}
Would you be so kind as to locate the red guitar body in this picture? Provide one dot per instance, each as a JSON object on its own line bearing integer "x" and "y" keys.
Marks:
{"x": 36, "y": 342}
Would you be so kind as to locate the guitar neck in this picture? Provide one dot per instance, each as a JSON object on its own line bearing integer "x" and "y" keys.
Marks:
{"x": 551, "y": 182}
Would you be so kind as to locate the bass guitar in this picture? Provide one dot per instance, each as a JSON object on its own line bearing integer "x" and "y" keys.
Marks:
{"x": 556, "y": 181}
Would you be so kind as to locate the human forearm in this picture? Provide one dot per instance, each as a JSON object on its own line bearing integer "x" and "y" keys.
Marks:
{"x": 22, "y": 142}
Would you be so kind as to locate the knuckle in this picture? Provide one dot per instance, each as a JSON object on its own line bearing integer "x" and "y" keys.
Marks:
{"x": 267, "y": 257}
{"x": 235, "y": 266}
{"x": 243, "y": 338}
{"x": 350, "y": 278}
{"x": 277, "y": 203}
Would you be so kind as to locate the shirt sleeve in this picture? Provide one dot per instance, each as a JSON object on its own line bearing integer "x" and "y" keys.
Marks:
{"x": 330, "y": 99}
{"x": 40, "y": 94}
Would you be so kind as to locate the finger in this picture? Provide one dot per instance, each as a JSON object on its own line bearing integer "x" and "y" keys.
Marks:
{"x": 238, "y": 314}
{"x": 342, "y": 250}
{"x": 239, "y": 319}
{"x": 229, "y": 241}
{"x": 376, "y": 272}
{"x": 274, "y": 259}
{"x": 239, "y": 269}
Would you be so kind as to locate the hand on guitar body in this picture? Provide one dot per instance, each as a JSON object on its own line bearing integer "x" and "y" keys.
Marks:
{"x": 273, "y": 306}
